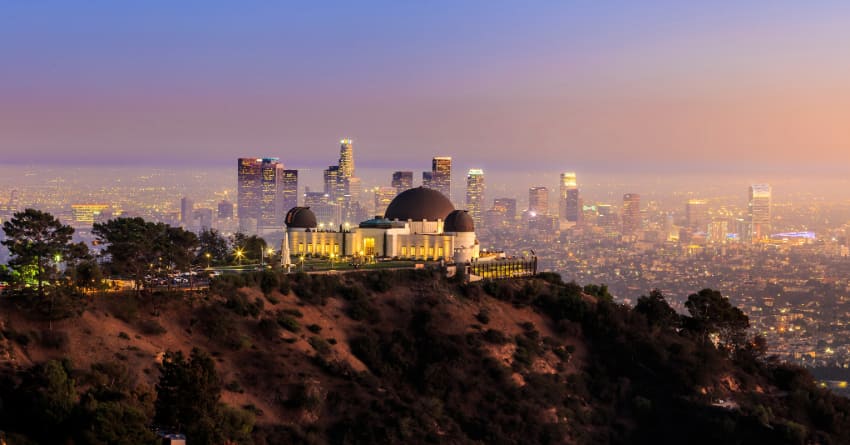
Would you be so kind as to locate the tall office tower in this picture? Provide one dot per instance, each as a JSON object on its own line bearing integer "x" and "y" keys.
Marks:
{"x": 289, "y": 190}
{"x": 538, "y": 200}
{"x": 717, "y": 231}
{"x": 696, "y": 212}
{"x": 568, "y": 200}
{"x": 427, "y": 179}
{"x": 346, "y": 159}
{"x": 332, "y": 182}
{"x": 249, "y": 193}
{"x": 272, "y": 213}
{"x": 475, "y": 194}
{"x": 383, "y": 197}
{"x": 759, "y": 211}
{"x": 631, "y": 213}
{"x": 225, "y": 210}
{"x": 507, "y": 206}
{"x": 402, "y": 180}
{"x": 440, "y": 176}
{"x": 187, "y": 207}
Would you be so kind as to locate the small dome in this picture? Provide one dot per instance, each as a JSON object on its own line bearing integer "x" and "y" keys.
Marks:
{"x": 300, "y": 218}
{"x": 459, "y": 221}
{"x": 418, "y": 204}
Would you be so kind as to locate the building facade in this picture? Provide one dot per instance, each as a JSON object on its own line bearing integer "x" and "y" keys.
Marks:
{"x": 475, "y": 194}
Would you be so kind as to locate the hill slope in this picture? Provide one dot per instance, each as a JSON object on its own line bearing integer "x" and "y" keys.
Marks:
{"x": 409, "y": 357}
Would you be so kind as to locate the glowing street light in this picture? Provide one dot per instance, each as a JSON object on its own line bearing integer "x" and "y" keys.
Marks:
{"x": 239, "y": 253}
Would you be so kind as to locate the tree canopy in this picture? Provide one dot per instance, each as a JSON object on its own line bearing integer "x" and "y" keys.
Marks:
{"x": 38, "y": 242}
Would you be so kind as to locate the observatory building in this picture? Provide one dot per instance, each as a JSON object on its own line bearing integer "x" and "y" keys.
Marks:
{"x": 419, "y": 224}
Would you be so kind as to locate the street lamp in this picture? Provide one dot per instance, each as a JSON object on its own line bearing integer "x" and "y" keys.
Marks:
{"x": 239, "y": 253}
{"x": 269, "y": 253}
{"x": 302, "y": 262}
{"x": 332, "y": 261}
{"x": 209, "y": 256}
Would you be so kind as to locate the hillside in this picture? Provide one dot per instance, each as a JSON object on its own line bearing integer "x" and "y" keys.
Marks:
{"x": 407, "y": 357}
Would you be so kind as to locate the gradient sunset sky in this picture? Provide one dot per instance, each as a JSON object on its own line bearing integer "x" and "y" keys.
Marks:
{"x": 576, "y": 85}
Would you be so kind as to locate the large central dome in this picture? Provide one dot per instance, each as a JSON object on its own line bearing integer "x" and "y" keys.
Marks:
{"x": 418, "y": 204}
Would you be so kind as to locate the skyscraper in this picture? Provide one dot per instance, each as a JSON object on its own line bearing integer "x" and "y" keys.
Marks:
{"x": 759, "y": 211}
{"x": 187, "y": 207}
{"x": 696, "y": 212}
{"x": 538, "y": 200}
{"x": 248, "y": 193}
{"x": 475, "y": 194}
{"x": 507, "y": 206}
{"x": 440, "y": 176}
{"x": 289, "y": 190}
{"x": 402, "y": 180}
{"x": 271, "y": 208}
{"x": 346, "y": 158}
{"x": 569, "y": 204}
{"x": 259, "y": 194}
{"x": 631, "y": 213}
{"x": 383, "y": 198}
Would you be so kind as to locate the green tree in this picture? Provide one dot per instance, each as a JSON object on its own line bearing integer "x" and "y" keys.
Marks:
{"x": 251, "y": 246}
{"x": 48, "y": 396}
{"x": 36, "y": 240}
{"x": 656, "y": 310}
{"x": 211, "y": 243}
{"x": 187, "y": 396}
{"x": 132, "y": 246}
{"x": 713, "y": 314}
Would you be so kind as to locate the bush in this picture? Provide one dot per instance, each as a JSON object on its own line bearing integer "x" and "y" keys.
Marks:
{"x": 483, "y": 316}
{"x": 288, "y": 323}
{"x": 268, "y": 281}
{"x": 151, "y": 327}
{"x": 314, "y": 328}
{"x": 320, "y": 345}
{"x": 495, "y": 337}
{"x": 123, "y": 335}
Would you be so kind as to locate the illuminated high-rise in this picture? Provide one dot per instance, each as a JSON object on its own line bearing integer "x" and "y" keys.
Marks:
{"x": 696, "y": 212}
{"x": 569, "y": 203}
{"x": 631, "y": 213}
{"x": 289, "y": 190}
{"x": 346, "y": 159}
{"x": 272, "y": 213}
{"x": 759, "y": 211}
{"x": 249, "y": 191}
{"x": 402, "y": 180}
{"x": 538, "y": 201}
{"x": 260, "y": 186}
{"x": 383, "y": 197}
{"x": 506, "y": 206}
{"x": 440, "y": 176}
{"x": 475, "y": 194}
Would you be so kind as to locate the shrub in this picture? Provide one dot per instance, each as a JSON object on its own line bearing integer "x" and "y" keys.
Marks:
{"x": 268, "y": 281}
{"x": 320, "y": 345}
{"x": 483, "y": 316}
{"x": 288, "y": 323}
{"x": 151, "y": 327}
{"x": 123, "y": 335}
{"x": 314, "y": 328}
{"x": 495, "y": 337}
